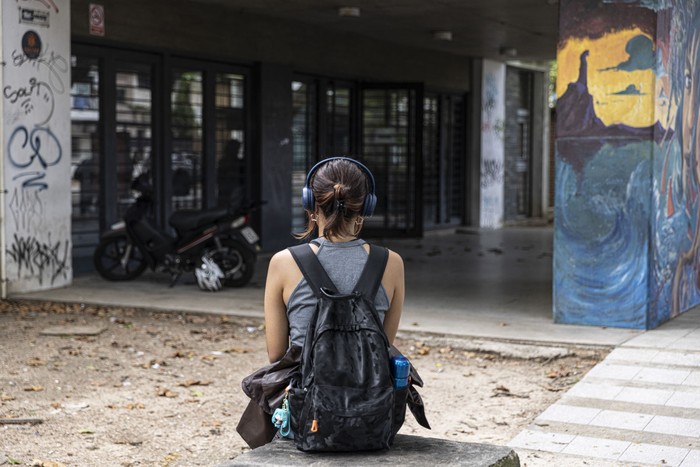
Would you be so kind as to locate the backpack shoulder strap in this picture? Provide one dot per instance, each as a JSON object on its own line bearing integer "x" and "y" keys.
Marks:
{"x": 312, "y": 269}
{"x": 372, "y": 274}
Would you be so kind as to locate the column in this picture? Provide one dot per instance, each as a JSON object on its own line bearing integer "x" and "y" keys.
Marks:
{"x": 36, "y": 85}
{"x": 493, "y": 108}
{"x": 627, "y": 236}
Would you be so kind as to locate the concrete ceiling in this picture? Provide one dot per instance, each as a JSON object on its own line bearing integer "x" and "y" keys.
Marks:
{"x": 482, "y": 28}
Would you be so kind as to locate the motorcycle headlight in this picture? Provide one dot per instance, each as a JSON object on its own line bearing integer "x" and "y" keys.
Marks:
{"x": 238, "y": 222}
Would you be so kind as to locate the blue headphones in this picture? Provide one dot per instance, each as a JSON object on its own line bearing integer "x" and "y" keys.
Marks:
{"x": 307, "y": 194}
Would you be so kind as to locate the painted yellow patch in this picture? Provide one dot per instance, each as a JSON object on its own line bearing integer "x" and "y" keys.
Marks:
{"x": 608, "y": 52}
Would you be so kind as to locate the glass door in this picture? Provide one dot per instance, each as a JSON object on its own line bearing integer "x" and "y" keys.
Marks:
{"x": 391, "y": 137}
{"x": 233, "y": 161}
{"x": 112, "y": 128}
{"x": 431, "y": 160}
{"x": 86, "y": 159}
{"x": 444, "y": 156}
{"x": 134, "y": 150}
{"x": 324, "y": 124}
{"x": 304, "y": 131}
{"x": 177, "y": 124}
{"x": 186, "y": 127}
{"x": 339, "y": 120}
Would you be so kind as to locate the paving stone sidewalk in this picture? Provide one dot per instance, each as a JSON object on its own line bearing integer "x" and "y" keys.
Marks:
{"x": 641, "y": 405}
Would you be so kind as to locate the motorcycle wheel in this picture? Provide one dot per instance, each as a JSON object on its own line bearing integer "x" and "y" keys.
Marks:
{"x": 236, "y": 262}
{"x": 108, "y": 259}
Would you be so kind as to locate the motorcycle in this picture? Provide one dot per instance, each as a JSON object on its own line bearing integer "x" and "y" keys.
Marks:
{"x": 217, "y": 245}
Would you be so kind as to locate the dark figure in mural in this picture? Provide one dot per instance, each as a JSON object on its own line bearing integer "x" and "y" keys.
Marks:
{"x": 686, "y": 89}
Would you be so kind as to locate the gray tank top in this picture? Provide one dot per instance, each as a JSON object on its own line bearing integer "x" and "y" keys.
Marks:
{"x": 343, "y": 262}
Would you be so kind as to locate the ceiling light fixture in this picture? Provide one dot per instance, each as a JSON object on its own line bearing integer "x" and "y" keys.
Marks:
{"x": 508, "y": 51}
{"x": 349, "y": 11}
{"x": 442, "y": 35}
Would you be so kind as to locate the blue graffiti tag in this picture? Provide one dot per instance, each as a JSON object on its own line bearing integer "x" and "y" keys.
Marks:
{"x": 34, "y": 181}
{"x": 39, "y": 145}
{"x": 27, "y": 155}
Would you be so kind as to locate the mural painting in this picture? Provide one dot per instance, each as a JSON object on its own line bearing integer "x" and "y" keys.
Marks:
{"x": 36, "y": 143}
{"x": 676, "y": 227}
{"x": 627, "y": 237}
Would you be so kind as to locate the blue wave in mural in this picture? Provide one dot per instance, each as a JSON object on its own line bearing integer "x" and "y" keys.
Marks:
{"x": 601, "y": 238}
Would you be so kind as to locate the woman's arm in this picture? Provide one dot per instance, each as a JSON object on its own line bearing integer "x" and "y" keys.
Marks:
{"x": 393, "y": 282}
{"x": 276, "y": 325}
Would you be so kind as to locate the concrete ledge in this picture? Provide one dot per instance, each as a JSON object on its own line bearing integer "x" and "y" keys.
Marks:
{"x": 407, "y": 451}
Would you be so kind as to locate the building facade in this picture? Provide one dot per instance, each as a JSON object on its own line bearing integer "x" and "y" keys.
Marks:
{"x": 218, "y": 102}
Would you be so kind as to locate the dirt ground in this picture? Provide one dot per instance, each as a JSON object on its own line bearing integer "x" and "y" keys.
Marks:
{"x": 163, "y": 389}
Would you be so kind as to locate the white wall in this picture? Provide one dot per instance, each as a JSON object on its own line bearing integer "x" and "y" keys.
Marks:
{"x": 493, "y": 110}
{"x": 36, "y": 149}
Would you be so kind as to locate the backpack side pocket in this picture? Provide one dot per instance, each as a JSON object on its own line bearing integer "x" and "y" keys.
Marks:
{"x": 399, "y": 415}
{"x": 297, "y": 414}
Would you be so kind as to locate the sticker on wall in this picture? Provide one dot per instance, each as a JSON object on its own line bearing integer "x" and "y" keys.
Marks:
{"x": 34, "y": 17}
{"x": 31, "y": 44}
{"x": 97, "y": 19}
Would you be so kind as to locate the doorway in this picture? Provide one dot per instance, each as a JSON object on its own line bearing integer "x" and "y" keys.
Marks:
{"x": 132, "y": 109}
{"x": 444, "y": 160}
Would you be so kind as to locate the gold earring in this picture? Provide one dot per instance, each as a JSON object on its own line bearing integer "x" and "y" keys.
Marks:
{"x": 313, "y": 218}
{"x": 358, "y": 226}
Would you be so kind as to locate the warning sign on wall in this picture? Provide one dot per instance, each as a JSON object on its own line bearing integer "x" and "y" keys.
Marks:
{"x": 97, "y": 20}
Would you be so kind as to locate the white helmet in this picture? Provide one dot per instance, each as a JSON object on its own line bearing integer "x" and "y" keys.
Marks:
{"x": 208, "y": 275}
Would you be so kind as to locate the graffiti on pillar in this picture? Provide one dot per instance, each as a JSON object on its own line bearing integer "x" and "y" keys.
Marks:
{"x": 493, "y": 122}
{"x": 491, "y": 173}
{"x": 26, "y": 210}
{"x": 627, "y": 222}
{"x": 35, "y": 149}
{"x": 36, "y": 109}
{"x": 492, "y": 144}
{"x": 35, "y": 97}
{"x": 44, "y": 259}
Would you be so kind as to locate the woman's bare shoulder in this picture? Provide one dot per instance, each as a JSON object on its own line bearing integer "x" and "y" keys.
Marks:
{"x": 394, "y": 256}
{"x": 395, "y": 262}
{"x": 281, "y": 261}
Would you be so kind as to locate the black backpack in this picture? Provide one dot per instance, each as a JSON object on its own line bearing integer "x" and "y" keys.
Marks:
{"x": 345, "y": 398}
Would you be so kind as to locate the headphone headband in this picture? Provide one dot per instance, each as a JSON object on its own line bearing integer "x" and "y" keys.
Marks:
{"x": 307, "y": 196}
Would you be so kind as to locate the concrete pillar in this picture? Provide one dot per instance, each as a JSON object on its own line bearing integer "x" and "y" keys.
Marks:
{"x": 493, "y": 107}
{"x": 36, "y": 145}
{"x": 627, "y": 215}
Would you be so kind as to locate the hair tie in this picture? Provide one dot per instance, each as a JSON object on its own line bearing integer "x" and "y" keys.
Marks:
{"x": 340, "y": 205}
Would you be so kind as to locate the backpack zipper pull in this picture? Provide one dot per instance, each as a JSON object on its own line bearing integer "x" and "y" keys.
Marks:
{"x": 314, "y": 426}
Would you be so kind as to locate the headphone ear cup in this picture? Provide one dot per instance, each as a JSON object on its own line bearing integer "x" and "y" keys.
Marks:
{"x": 370, "y": 204}
{"x": 307, "y": 198}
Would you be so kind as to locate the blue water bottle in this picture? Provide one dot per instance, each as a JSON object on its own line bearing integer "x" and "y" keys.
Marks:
{"x": 400, "y": 369}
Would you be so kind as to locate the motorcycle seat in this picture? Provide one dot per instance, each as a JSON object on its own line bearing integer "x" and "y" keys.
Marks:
{"x": 192, "y": 219}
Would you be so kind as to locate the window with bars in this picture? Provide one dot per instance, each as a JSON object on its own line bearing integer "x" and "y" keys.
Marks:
{"x": 339, "y": 127}
{"x": 133, "y": 129}
{"x": 388, "y": 148}
{"x": 444, "y": 154}
{"x": 233, "y": 163}
{"x": 187, "y": 139}
{"x": 86, "y": 157}
{"x": 304, "y": 130}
